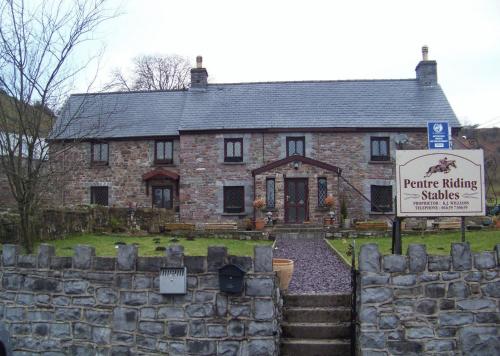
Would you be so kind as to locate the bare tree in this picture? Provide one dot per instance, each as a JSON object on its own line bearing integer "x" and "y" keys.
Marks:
{"x": 153, "y": 72}
{"x": 37, "y": 67}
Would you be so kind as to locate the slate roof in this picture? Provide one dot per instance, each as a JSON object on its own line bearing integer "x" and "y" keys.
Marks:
{"x": 310, "y": 104}
{"x": 121, "y": 114}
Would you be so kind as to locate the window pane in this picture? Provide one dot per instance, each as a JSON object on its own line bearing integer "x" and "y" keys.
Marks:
{"x": 99, "y": 195}
{"x": 230, "y": 149}
{"x": 168, "y": 149}
{"x": 104, "y": 152}
{"x": 234, "y": 200}
{"x": 270, "y": 201}
{"x": 160, "y": 149}
{"x": 167, "y": 199}
{"x": 96, "y": 152}
{"x": 291, "y": 147}
{"x": 237, "y": 149}
{"x": 299, "y": 148}
{"x": 383, "y": 148}
{"x": 322, "y": 191}
{"x": 375, "y": 150}
{"x": 381, "y": 197}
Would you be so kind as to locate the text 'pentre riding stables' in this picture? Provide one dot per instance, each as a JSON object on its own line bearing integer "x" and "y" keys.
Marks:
{"x": 440, "y": 183}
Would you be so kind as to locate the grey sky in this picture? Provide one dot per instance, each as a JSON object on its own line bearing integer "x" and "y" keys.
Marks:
{"x": 246, "y": 41}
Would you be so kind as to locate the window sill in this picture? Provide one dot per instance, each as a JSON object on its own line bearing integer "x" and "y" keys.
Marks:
{"x": 382, "y": 213}
{"x": 233, "y": 163}
{"x": 234, "y": 214}
{"x": 380, "y": 162}
{"x": 159, "y": 164}
{"x": 321, "y": 208}
{"x": 99, "y": 165}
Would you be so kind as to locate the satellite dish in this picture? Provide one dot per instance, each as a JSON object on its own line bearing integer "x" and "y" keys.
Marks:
{"x": 401, "y": 139}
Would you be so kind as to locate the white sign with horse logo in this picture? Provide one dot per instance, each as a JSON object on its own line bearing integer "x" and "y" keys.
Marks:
{"x": 440, "y": 183}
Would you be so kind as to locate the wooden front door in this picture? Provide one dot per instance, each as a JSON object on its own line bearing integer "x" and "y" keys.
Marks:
{"x": 296, "y": 198}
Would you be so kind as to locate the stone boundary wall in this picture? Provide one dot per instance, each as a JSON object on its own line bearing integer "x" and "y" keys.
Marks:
{"x": 429, "y": 305}
{"x": 88, "y": 305}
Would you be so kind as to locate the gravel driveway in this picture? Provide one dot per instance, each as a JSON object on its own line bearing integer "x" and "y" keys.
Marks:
{"x": 317, "y": 269}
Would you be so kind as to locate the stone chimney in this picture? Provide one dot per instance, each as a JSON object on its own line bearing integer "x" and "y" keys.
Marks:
{"x": 199, "y": 75}
{"x": 426, "y": 69}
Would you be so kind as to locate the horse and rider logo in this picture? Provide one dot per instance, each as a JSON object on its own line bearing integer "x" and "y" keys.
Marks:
{"x": 444, "y": 166}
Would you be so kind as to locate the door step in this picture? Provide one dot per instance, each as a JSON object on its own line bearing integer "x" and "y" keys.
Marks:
{"x": 316, "y": 347}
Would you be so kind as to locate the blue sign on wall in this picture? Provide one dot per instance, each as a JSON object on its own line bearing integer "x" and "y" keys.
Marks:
{"x": 438, "y": 135}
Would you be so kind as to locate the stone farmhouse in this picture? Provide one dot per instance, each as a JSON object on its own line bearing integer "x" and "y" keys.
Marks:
{"x": 207, "y": 153}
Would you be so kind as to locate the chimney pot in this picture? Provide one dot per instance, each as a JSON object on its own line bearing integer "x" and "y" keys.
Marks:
{"x": 199, "y": 75}
{"x": 425, "y": 53}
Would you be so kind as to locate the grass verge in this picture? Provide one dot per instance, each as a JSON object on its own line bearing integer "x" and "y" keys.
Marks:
{"x": 105, "y": 245}
{"x": 437, "y": 244}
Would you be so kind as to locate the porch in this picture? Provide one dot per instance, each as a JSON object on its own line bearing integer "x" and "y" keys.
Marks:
{"x": 294, "y": 190}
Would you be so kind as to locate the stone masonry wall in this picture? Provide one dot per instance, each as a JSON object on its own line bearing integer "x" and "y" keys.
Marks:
{"x": 429, "y": 305}
{"x": 204, "y": 173}
{"x": 128, "y": 161}
{"x": 88, "y": 305}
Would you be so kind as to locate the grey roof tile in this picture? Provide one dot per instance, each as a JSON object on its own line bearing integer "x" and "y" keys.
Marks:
{"x": 314, "y": 104}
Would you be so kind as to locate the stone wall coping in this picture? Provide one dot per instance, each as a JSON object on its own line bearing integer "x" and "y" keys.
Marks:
{"x": 128, "y": 260}
{"x": 417, "y": 260}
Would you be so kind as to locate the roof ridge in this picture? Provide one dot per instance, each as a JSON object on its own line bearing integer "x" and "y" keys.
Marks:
{"x": 132, "y": 92}
{"x": 316, "y": 81}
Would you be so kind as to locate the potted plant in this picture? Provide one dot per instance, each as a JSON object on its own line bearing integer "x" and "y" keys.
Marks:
{"x": 259, "y": 204}
{"x": 329, "y": 203}
{"x": 284, "y": 269}
{"x": 343, "y": 214}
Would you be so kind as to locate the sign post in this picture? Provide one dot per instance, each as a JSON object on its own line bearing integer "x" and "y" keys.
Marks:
{"x": 438, "y": 135}
{"x": 440, "y": 183}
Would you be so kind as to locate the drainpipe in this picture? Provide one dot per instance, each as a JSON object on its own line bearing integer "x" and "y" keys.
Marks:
{"x": 253, "y": 207}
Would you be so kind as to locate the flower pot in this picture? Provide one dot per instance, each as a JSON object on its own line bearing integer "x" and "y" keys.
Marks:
{"x": 259, "y": 224}
{"x": 284, "y": 269}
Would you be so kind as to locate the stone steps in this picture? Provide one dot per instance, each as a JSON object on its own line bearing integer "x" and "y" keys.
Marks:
{"x": 317, "y": 330}
{"x": 317, "y": 300}
{"x": 316, "y": 324}
{"x": 316, "y": 347}
{"x": 317, "y": 315}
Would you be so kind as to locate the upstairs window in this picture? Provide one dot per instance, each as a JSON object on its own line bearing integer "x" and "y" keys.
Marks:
{"x": 100, "y": 153}
{"x": 233, "y": 150}
{"x": 322, "y": 191}
{"x": 379, "y": 148}
{"x": 164, "y": 152}
{"x": 234, "y": 200}
{"x": 295, "y": 146}
{"x": 381, "y": 198}
{"x": 99, "y": 195}
{"x": 162, "y": 197}
{"x": 270, "y": 193}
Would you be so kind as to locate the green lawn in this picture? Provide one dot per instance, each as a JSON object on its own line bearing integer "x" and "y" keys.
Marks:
{"x": 437, "y": 244}
{"x": 105, "y": 245}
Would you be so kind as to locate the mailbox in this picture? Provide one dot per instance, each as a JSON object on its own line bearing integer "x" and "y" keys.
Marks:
{"x": 231, "y": 279}
{"x": 173, "y": 280}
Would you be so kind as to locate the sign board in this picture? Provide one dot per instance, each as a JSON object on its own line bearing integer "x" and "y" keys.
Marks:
{"x": 438, "y": 135}
{"x": 440, "y": 183}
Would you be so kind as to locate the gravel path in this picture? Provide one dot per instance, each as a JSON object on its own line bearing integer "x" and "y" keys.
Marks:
{"x": 317, "y": 269}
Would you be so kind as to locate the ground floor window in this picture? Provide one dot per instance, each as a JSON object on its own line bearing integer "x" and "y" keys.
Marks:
{"x": 381, "y": 198}
{"x": 162, "y": 197}
{"x": 99, "y": 196}
{"x": 234, "y": 200}
{"x": 322, "y": 191}
{"x": 270, "y": 193}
